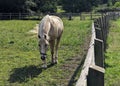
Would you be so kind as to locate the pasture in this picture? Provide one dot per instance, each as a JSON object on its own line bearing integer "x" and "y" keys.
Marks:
{"x": 20, "y": 63}
{"x": 112, "y": 55}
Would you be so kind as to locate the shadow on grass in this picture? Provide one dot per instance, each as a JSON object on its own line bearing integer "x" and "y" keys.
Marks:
{"x": 25, "y": 73}
{"x": 107, "y": 65}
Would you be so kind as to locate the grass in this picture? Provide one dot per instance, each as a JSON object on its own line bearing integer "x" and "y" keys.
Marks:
{"x": 112, "y": 60}
{"x": 20, "y": 63}
{"x": 59, "y": 9}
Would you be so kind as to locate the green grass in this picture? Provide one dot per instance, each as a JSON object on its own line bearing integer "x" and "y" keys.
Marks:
{"x": 112, "y": 60}
{"x": 59, "y": 9}
{"x": 20, "y": 63}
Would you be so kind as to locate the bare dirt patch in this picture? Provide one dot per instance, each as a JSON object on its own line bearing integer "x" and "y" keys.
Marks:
{"x": 74, "y": 65}
{"x": 34, "y": 30}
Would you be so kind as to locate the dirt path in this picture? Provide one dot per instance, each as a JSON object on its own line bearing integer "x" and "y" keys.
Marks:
{"x": 74, "y": 65}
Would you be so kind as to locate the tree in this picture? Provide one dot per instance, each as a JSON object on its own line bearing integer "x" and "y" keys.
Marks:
{"x": 30, "y": 6}
{"x": 47, "y": 5}
{"x": 76, "y": 5}
{"x": 117, "y": 4}
{"x": 79, "y": 5}
{"x": 11, "y": 5}
{"x": 16, "y": 6}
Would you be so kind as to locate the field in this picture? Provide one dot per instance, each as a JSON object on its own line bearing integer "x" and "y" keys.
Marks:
{"x": 112, "y": 56}
{"x": 20, "y": 63}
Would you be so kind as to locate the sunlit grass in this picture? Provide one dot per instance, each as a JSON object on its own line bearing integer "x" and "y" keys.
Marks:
{"x": 112, "y": 60}
{"x": 20, "y": 63}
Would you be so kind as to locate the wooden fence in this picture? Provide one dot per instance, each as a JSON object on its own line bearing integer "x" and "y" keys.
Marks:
{"x": 37, "y": 16}
{"x": 9, "y": 16}
{"x": 92, "y": 73}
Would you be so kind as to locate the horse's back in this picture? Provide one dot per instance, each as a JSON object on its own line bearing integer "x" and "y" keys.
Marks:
{"x": 57, "y": 25}
{"x": 51, "y": 25}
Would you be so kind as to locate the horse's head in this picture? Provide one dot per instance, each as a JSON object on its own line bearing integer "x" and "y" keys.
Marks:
{"x": 43, "y": 44}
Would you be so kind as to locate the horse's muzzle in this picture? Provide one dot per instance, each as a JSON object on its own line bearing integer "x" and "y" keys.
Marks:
{"x": 43, "y": 56}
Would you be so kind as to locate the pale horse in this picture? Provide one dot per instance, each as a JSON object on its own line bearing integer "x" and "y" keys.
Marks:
{"x": 49, "y": 33}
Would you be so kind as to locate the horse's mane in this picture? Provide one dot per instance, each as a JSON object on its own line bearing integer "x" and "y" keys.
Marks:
{"x": 45, "y": 18}
{"x": 43, "y": 23}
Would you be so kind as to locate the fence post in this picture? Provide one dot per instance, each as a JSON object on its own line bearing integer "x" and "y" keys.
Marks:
{"x": 95, "y": 76}
{"x": 81, "y": 16}
{"x": 10, "y": 16}
{"x": 19, "y": 16}
{"x": 99, "y": 52}
{"x": 0, "y": 15}
{"x": 91, "y": 16}
{"x": 70, "y": 16}
{"x": 98, "y": 33}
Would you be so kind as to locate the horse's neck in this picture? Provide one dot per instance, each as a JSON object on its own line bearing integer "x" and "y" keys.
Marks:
{"x": 45, "y": 25}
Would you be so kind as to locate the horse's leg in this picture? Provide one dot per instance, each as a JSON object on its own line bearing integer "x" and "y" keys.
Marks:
{"x": 56, "y": 50}
{"x": 44, "y": 64}
{"x": 52, "y": 43}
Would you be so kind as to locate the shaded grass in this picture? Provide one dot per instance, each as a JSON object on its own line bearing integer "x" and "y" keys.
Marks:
{"x": 20, "y": 64}
{"x": 112, "y": 60}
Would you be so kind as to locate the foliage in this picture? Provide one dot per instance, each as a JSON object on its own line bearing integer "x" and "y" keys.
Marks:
{"x": 114, "y": 1}
{"x": 109, "y": 3}
{"x": 20, "y": 63}
{"x": 28, "y": 6}
{"x": 75, "y": 5}
{"x": 80, "y": 5}
{"x": 117, "y": 4}
{"x": 47, "y": 6}
{"x": 11, "y": 5}
{"x": 112, "y": 56}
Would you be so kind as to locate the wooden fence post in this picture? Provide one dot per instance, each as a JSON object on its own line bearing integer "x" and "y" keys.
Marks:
{"x": 98, "y": 33}
{"x": 91, "y": 16}
{"x": 81, "y": 16}
{"x": 70, "y": 16}
{"x": 0, "y": 15}
{"x": 19, "y": 16}
{"x": 99, "y": 52}
{"x": 95, "y": 76}
{"x": 10, "y": 15}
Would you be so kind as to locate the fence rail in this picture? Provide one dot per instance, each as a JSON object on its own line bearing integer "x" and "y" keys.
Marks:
{"x": 13, "y": 16}
{"x": 92, "y": 73}
{"x": 83, "y": 16}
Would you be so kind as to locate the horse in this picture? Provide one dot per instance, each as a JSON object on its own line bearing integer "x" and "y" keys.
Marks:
{"x": 49, "y": 33}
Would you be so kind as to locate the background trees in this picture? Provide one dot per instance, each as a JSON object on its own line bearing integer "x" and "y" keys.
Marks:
{"x": 12, "y": 5}
{"x": 47, "y": 5}
{"x": 81, "y": 5}
{"x": 30, "y": 6}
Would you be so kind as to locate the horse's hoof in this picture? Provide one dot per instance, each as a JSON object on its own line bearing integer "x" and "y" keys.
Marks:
{"x": 56, "y": 62}
{"x": 52, "y": 63}
{"x": 44, "y": 66}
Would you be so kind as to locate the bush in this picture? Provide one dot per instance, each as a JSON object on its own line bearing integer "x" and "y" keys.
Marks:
{"x": 117, "y": 4}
